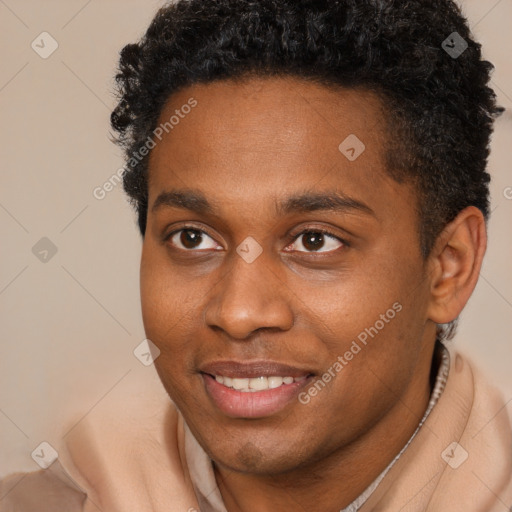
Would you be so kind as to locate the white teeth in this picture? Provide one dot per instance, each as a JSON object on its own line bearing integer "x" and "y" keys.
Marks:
{"x": 257, "y": 383}
{"x": 274, "y": 382}
{"x": 240, "y": 384}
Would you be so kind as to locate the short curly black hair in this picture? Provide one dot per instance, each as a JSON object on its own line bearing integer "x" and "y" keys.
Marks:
{"x": 440, "y": 108}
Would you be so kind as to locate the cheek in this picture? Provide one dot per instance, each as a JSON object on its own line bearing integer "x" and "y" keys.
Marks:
{"x": 167, "y": 322}
{"x": 347, "y": 305}
{"x": 167, "y": 308}
{"x": 373, "y": 318}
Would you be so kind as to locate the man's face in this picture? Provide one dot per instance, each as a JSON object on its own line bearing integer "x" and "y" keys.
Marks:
{"x": 251, "y": 289}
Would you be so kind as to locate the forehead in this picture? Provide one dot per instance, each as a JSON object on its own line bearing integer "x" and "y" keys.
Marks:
{"x": 247, "y": 141}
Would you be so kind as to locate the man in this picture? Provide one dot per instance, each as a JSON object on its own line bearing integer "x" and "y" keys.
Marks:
{"x": 310, "y": 185}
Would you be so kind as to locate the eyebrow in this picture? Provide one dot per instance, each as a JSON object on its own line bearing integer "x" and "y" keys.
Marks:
{"x": 195, "y": 201}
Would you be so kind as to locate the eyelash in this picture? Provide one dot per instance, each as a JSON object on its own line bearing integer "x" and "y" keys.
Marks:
{"x": 293, "y": 237}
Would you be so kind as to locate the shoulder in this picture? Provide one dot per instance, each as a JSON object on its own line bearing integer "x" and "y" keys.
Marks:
{"x": 486, "y": 399}
{"x": 46, "y": 490}
{"x": 481, "y": 451}
{"x": 478, "y": 404}
{"x": 125, "y": 454}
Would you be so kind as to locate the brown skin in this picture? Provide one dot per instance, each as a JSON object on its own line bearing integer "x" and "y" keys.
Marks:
{"x": 244, "y": 146}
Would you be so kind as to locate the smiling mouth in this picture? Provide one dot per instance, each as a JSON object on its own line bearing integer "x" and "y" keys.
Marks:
{"x": 256, "y": 396}
{"x": 255, "y": 384}
{"x": 254, "y": 388}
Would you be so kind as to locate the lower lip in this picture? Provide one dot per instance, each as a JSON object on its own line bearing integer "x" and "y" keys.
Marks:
{"x": 257, "y": 404}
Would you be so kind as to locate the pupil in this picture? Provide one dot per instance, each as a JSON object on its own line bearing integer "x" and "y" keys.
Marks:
{"x": 190, "y": 237}
{"x": 313, "y": 241}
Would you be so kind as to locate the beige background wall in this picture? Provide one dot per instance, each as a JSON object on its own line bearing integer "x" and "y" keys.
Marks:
{"x": 69, "y": 325}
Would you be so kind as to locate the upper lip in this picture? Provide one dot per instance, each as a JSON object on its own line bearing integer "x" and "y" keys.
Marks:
{"x": 252, "y": 369}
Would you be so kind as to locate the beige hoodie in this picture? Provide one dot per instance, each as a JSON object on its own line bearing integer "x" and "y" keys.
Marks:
{"x": 144, "y": 459}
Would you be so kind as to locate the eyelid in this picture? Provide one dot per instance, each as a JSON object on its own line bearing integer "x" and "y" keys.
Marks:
{"x": 189, "y": 225}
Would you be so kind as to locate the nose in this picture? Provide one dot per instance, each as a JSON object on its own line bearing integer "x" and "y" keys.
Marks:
{"x": 251, "y": 296}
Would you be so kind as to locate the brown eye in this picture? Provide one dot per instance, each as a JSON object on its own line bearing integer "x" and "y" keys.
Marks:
{"x": 189, "y": 239}
{"x": 313, "y": 241}
{"x": 317, "y": 241}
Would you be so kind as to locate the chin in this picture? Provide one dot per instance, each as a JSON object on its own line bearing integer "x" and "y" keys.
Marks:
{"x": 249, "y": 458}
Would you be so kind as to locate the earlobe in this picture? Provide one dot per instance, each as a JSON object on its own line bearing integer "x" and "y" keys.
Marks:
{"x": 455, "y": 264}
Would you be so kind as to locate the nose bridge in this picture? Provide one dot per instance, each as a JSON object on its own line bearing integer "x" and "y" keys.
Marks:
{"x": 249, "y": 297}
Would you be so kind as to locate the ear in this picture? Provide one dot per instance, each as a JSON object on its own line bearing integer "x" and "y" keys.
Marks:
{"x": 455, "y": 263}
